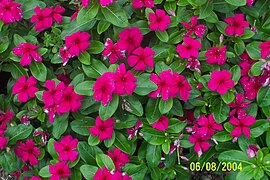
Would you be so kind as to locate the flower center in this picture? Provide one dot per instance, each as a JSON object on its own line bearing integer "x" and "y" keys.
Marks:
{"x": 60, "y": 171}
{"x": 102, "y": 128}
{"x": 76, "y": 41}
{"x": 67, "y": 148}
{"x": 25, "y": 87}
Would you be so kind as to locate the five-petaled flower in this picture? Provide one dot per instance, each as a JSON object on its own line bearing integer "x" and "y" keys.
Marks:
{"x": 216, "y": 55}
{"x": 200, "y": 142}
{"x": 189, "y": 48}
{"x": 27, "y": 152}
{"x": 208, "y": 125}
{"x": 59, "y": 170}
{"x": 112, "y": 51}
{"x": 238, "y": 106}
{"x": 221, "y": 81}
{"x": 265, "y": 49}
{"x": 161, "y": 124}
{"x": 27, "y": 51}
{"x": 241, "y": 125}
{"x": 198, "y": 30}
{"x": 119, "y": 158}
{"x": 25, "y": 88}
{"x": 159, "y": 20}
{"x": 103, "y": 129}
{"x": 66, "y": 147}
{"x": 10, "y": 11}
{"x": 237, "y": 24}
{"x": 180, "y": 86}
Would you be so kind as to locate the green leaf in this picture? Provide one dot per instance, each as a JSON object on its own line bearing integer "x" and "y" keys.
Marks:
{"x": 105, "y": 160}
{"x": 162, "y": 36}
{"x": 135, "y": 105}
{"x": 105, "y": 112}
{"x": 17, "y": 39}
{"x": 143, "y": 26}
{"x": 16, "y": 70}
{"x": 85, "y": 58}
{"x": 74, "y": 27}
{"x": 236, "y": 2}
{"x": 144, "y": 85}
{"x": 152, "y": 111}
{"x": 165, "y": 106}
{"x": 258, "y": 128}
{"x": 221, "y": 112}
{"x": 234, "y": 156}
{"x": 153, "y": 136}
{"x": 135, "y": 171}
{"x": 263, "y": 99}
{"x": 197, "y": 2}
{"x": 88, "y": 171}
{"x": 205, "y": 9}
{"x": 244, "y": 142}
{"x": 38, "y": 70}
{"x": 115, "y": 15}
{"x": 253, "y": 50}
{"x": 228, "y": 97}
{"x": 15, "y": 133}
{"x": 268, "y": 138}
{"x": 109, "y": 142}
{"x": 222, "y": 136}
{"x": 96, "y": 47}
{"x": 82, "y": 126}
{"x": 236, "y": 73}
{"x": 221, "y": 26}
{"x": 51, "y": 149}
{"x": 177, "y": 108}
{"x": 96, "y": 69}
{"x": 88, "y": 153}
{"x": 161, "y": 66}
{"x": 256, "y": 69}
{"x": 4, "y": 43}
{"x": 248, "y": 34}
{"x": 93, "y": 140}
{"x": 122, "y": 143}
{"x": 8, "y": 161}
{"x": 60, "y": 125}
{"x": 166, "y": 147}
{"x": 153, "y": 155}
{"x": 87, "y": 14}
{"x": 246, "y": 173}
{"x": 102, "y": 26}
{"x": 176, "y": 126}
{"x": 239, "y": 46}
{"x": 85, "y": 88}
{"x": 44, "y": 172}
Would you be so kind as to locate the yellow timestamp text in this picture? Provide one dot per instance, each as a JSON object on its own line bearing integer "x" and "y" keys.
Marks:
{"x": 215, "y": 166}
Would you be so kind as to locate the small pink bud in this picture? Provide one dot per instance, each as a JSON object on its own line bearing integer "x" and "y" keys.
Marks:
{"x": 172, "y": 12}
{"x": 252, "y": 151}
{"x": 25, "y": 119}
{"x": 199, "y": 86}
{"x": 221, "y": 38}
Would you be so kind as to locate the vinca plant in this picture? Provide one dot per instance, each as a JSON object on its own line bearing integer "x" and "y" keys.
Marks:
{"x": 135, "y": 89}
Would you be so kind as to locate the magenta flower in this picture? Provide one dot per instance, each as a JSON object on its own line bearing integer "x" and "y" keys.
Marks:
{"x": 238, "y": 106}
{"x": 70, "y": 100}
{"x": 56, "y": 14}
{"x": 141, "y": 58}
{"x": 54, "y": 93}
{"x": 6, "y": 117}
{"x": 245, "y": 65}
{"x": 237, "y": 24}
{"x": 103, "y": 129}
{"x": 241, "y": 125}
{"x": 27, "y": 152}
{"x": 66, "y": 147}
{"x": 130, "y": 38}
{"x": 216, "y": 55}
{"x": 42, "y": 18}
{"x": 104, "y": 87}
{"x": 103, "y": 173}
{"x": 25, "y": 88}
{"x": 198, "y": 30}
{"x": 27, "y": 51}
{"x": 252, "y": 151}
{"x": 134, "y": 130}
{"x": 189, "y": 48}
{"x": 164, "y": 82}
{"x": 77, "y": 42}
{"x": 159, "y": 21}
{"x": 120, "y": 176}
{"x": 10, "y": 11}
{"x": 85, "y": 3}
{"x": 138, "y": 4}
{"x": 201, "y": 144}
{"x": 180, "y": 85}
{"x": 250, "y": 2}
{"x": 251, "y": 87}
{"x": 119, "y": 158}
{"x": 112, "y": 51}
{"x": 221, "y": 81}
{"x": 162, "y": 123}
{"x": 3, "y": 141}
{"x": 265, "y": 49}
{"x": 59, "y": 170}
{"x": 125, "y": 81}
{"x": 65, "y": 55}
{"x": 208, "y": 125}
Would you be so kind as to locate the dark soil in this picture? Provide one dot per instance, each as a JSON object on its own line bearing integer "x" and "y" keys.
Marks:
{"x": 205, "y": 175}
{"x": 5, "y": 176}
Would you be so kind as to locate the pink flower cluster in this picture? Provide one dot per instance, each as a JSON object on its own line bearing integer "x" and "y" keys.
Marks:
{"x": 143, "y": 3}
{"x": 104, "y": 173}
{"x": 170, "y": 84}
{"x": 44, "y": 17}
{"x": 27, "y": 52}
{"x": 120, "y": 82}
{"x": 103, "y": 3}
{"x": 75, "y": 44}
{"x": 10, "y": 11}
{"x": 60, "y": 99}
{"x": 202, "y": 134}
{"x": 5, "y": 117}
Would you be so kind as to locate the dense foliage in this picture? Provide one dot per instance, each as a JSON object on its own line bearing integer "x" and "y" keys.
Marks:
{"x": 134, "y": 89}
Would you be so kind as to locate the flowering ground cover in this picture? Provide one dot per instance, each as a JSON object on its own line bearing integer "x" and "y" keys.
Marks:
{"x": 135, "y": 89}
